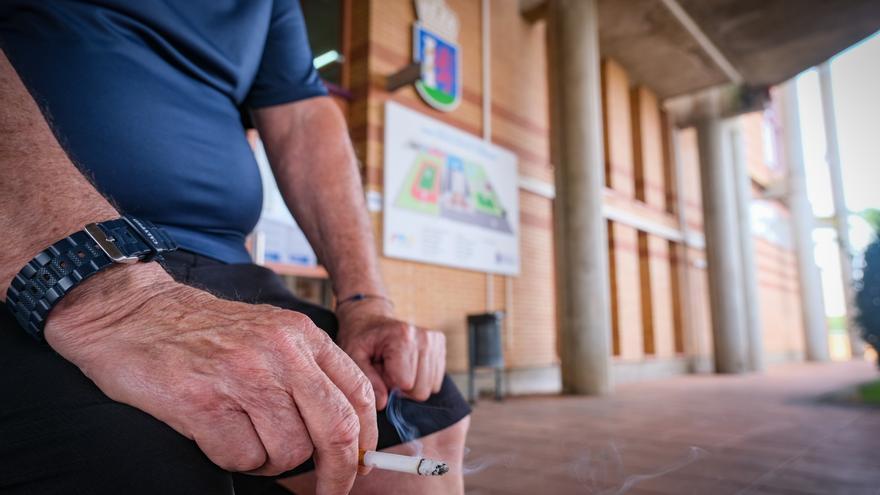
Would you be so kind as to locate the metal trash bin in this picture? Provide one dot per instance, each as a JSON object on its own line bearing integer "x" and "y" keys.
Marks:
{"x": 485, "y": 350}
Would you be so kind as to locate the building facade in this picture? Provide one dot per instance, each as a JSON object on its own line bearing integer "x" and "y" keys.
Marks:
{"x": 658, "y": 287}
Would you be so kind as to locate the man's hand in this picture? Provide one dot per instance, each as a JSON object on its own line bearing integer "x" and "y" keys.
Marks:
{"x": 316, "y": 170}
{"x": 256, "y": 387}
{"x": 259, "y": 389}
{"x": 392, "y": 354}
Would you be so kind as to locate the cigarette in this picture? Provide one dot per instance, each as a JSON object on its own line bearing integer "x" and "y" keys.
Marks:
{"x": 402, "y": 463}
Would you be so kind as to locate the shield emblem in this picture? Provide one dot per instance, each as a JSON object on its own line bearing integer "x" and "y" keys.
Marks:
{"x": 440, "y": 81}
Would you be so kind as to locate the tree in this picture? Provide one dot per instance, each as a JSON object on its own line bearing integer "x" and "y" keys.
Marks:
{"x": 868, "y": 296}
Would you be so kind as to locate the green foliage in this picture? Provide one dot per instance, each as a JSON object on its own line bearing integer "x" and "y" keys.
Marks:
{"x": 837, "y": 324}
{"x": 869, "y": 393}
{"x": 868, "y": 296}
{"x": 872, "y": 216}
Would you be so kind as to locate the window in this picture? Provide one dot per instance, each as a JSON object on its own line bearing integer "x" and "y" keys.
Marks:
{"x": 768, "y": 135}
{"x": 324, "y": 24}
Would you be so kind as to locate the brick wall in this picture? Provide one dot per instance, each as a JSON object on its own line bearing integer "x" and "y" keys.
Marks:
{"x": 618, "y": 137}
{"x": 778, "y": 298}
{"x": 646, "y": 316}
{"x": 647, "y": 142}
{"x": 659, "y": 288}
{"x": 697, "y": 312}
{"x": 626, "y": 297}
{"x": 440, "y": 297}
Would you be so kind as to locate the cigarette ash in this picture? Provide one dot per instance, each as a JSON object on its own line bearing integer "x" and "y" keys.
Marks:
{"x": 428, "y": 467}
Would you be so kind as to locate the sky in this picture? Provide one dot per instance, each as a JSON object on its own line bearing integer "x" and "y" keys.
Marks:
{"x": 855, "y": 75}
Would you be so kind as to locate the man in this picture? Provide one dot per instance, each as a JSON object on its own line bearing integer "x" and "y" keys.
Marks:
{"x": 153, "y": 383}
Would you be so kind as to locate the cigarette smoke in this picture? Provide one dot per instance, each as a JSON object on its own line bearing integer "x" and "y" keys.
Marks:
{"x": 475, "y": 464}
{"x": 398, "y": 409}
{"x": 695, "y": 454}
{"x": 407, "y": 431}
{"x": 601, "y": 470}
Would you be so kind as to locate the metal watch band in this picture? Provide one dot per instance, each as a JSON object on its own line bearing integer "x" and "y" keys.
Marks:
{"x": 57, "y": 269}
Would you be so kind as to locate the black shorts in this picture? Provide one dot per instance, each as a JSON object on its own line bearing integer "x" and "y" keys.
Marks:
{"x": 60, "y": 434}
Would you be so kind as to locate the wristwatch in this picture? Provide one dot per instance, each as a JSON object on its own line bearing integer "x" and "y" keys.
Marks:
{"x": 59, "y": 268}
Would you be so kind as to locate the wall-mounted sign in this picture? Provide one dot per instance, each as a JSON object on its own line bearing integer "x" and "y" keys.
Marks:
{"x": 450, "y": 198}
{"x": 435, "y": 48}
{"x": 278, "y": 238}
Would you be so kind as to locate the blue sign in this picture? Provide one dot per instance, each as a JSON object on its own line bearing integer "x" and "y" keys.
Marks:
{"x": 440, "y": 81}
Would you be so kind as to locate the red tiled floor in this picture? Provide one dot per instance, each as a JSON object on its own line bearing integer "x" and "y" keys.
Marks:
{"x": 747, "y": 434}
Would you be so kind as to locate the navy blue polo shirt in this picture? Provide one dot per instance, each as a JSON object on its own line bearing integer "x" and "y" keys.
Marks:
{"x": 145, "y": 96}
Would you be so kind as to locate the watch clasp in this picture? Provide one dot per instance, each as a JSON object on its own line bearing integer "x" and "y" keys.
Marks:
{"x": 107, "y": 244}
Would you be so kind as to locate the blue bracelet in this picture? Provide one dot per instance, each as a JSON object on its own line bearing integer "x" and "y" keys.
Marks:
{"x": 360, "y": 296}
{"x": 56, "y": 270}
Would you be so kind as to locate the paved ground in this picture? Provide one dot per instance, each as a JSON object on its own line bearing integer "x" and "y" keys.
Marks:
{"x": 751, "y": 434}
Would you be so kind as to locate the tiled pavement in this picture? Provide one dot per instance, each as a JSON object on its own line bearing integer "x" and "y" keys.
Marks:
{"x": 708, "y": 434}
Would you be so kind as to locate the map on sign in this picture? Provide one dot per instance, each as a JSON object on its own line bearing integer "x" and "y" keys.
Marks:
{"x": 450, "y": 198}
{"x": 445, "y": 185}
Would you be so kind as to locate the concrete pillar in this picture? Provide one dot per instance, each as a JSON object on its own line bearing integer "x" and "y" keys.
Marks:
{"x": 577, "y": 149}
{"x": 743, "y": 183}
{"x": 722, "y": 248}
{"x": 810, "y": 283}
{"x": 841, "y": 212}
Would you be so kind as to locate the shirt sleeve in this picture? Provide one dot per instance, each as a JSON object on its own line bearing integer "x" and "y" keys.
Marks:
{"x": 286, "y": 73}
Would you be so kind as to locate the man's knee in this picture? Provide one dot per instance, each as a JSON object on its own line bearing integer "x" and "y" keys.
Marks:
{"x": 450, "y": 439}
{"x": 459, "y": 430}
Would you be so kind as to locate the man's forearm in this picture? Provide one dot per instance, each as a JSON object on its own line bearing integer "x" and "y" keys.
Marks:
{"x": 45, "y": 197}
{"x": 316, "y": 170}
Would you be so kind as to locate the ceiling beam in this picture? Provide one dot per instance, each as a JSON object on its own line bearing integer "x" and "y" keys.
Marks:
{"x": 705, "y": 43}
{"x": 720, "y": 102}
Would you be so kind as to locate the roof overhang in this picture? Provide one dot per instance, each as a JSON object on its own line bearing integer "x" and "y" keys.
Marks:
{"x": 685, "y": 47}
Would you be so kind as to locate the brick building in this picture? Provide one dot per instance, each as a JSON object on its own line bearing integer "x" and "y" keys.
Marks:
{"x": 659, "y": 307}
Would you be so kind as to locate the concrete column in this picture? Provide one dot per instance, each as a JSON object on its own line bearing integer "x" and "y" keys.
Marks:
{"x": 810, "y": 283}
{"x": 722, "y": 248}
{"x": 743, "y": 183}
{"x": 841, "y": 212}
{"x": 577, "y": 149}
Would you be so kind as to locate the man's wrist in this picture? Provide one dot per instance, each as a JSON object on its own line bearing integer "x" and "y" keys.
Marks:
{"x": 374, "y": 306}
{"x": 361, "y": 297}
{"x": 105, "y": 298}
{"x": 34, "y": 242}
{"x": 55, "y": 271}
